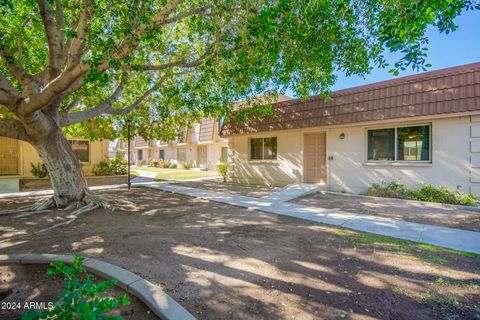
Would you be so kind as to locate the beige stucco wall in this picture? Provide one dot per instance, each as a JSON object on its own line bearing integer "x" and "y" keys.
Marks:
{"x": 285, "y": 170}
{"x": 348, "y": 170}
{"x": 214, "y": 154}
{"x": 28, "y": 154}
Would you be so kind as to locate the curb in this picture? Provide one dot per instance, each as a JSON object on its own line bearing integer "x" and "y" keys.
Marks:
{"x": 152, "y": 295}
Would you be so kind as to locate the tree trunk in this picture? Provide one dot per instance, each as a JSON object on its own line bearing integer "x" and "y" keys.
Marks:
{"x": 66, "y": 175}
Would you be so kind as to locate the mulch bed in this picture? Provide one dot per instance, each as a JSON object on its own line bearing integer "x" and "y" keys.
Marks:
{"x": 225, "y": 262}
{"x": 218, "y": 185}
{"x": 396, "y": 209}
{"x": 24, "y": 286}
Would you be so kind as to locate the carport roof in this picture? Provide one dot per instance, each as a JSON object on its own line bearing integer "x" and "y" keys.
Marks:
{"x": 452, "y": 90}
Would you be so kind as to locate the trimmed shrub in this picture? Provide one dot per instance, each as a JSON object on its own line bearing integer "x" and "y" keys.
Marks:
{"x": 166, "y": 164}
{"x": 39, "y": 170}
{"x": 393, "y": 189}
{"x": 141, "y": 163}
{"x": 222, "y": 169}
{"x": 102, "y": 168}
{"x": 173, "y": 166}
{"x": 154, "y": 163}
{"x": 118, "y": 166}
{"x": 187, "y": 165}
{"x": 428, "y": 192}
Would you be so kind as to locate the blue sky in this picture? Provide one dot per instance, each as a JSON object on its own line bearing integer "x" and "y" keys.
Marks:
{"x": 445, "y": 50}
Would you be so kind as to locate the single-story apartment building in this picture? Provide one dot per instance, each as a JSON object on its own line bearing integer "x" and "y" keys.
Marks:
{"x": 16, "y": 157}
{"x": 417, "y": 129}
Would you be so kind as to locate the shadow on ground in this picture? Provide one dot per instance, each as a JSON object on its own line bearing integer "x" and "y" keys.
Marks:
{"x": 225, "y": 262}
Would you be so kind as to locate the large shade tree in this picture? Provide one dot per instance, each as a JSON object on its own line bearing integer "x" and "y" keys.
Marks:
{"x": 79, "y": 65}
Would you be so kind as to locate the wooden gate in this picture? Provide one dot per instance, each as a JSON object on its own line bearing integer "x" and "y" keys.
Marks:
{"x": 9, "y": 156}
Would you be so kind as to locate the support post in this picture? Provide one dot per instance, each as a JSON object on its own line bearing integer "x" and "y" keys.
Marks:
{"x": 129, "y": 183}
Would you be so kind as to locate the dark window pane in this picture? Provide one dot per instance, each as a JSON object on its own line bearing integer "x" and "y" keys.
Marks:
{"x": 270, "y": 148}
{"x": 162, "y": 154}
{"x": 81, "y": 149}
{"x": 381, "y": 144}
{"x": 413, "y": 143}
{"x": 256, "y": 149}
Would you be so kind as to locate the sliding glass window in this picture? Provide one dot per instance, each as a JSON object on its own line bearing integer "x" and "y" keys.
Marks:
{"x": 399, "y": 144}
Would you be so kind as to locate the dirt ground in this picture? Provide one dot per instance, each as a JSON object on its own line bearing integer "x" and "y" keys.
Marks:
{"x": 396, "y": 209}
{"x": 21, "y": 284}
{"x": 225, "y": 262}
{"x": 234, "y": 188}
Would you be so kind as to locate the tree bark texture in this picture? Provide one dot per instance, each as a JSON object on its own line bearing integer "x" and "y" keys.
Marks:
{"x": 64, "y": 170}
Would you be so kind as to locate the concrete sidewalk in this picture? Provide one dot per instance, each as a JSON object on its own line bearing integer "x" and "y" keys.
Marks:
{"x": 294, "y": 191}
{"x": 458, "y": 239}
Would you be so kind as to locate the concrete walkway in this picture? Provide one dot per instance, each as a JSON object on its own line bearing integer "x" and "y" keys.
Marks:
{"x": 458, "y": 239}
{"x": 144, "y": 176}
{"x": 294, "y": 191}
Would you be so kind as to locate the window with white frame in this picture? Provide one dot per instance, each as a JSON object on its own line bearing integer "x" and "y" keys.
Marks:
{"x": 406, "y": 143}
{"x": 263, "y": 148}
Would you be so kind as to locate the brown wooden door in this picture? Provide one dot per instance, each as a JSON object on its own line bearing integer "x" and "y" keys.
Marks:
{"x": 314, "y": 161}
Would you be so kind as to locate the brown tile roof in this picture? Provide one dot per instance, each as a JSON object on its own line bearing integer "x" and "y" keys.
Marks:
{"x": 452, "y": 90}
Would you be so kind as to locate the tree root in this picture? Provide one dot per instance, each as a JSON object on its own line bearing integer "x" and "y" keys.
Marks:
{"x": 31, "y": 213}
{"x": 89, "y": 203}
{"x": 42, "y": 205}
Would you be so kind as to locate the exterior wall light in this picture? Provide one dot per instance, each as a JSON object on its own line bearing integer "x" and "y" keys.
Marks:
{"x": 342, "y": 136}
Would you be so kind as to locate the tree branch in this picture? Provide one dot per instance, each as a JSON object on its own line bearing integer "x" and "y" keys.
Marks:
{"x": 76, "y": 48}
{"x": 28, "y": 83}
{"x": 9, "y": 97}
{"x": 53, "y": 39}
{"x": 198, "y": 11}
{"x": 72, "y": 105}
{"x": 184, "y": 63}
{"x": 135, "y": 105}
{"x": 180, "y": 63}
{"x": 13, "y": 129}
{"x": 79, "y": 116}
{"x": 127, "y": 45}
{"x": 60, "y": 85}
{"x": 60, "y": 20}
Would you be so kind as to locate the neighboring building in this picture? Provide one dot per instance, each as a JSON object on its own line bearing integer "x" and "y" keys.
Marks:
{"x": 117, "y": 148}
{"x": 418, "y": 129}
{"x": 16, "y": 157}
{"x": 200, "y": 145}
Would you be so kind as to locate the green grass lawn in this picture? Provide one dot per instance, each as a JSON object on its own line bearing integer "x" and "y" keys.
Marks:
{"x": 177, "y": 174}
